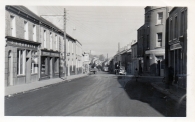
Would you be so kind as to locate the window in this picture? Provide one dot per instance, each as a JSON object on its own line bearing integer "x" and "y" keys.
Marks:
{"x": 148, "y": 47}
{"x": 175, "y": 28}
{"x": 182, "y": 24}
{"x": 34, "y": 33}
{"x": 25, "y": 30}
{"x": 56, "y": 42}
{"x": 68, "y": 48}
{"x": 72, "y": 47}
{"x": 160, "y": 18}
{"x": 21, "y": 62}
{"x": 59, "y": 44}
{"x": 13, "y": 26}
{"x": 51, "y": 41}
{"x": 34, "y": 62}
{"x": 44, "y": 38}
{"x": 171, "y": 30}
{"x": 159, "y": 40}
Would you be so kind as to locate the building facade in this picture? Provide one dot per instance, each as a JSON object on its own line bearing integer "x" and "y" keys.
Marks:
{"x": 74, "y": 56}
{"x": 151, "y": 40}
{"x": 22, "y": 45}
{"x": 86, "y": 62}
{"x": 177, "y": 44}
{"x": 134, "y": 58}
{"x": 52, "y": 43}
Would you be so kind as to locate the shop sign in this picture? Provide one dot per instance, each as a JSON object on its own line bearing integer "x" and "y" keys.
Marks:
{"x": 46, "y": 53}
{"x": 175, "y": 46}
{"x": 55, "y": 54}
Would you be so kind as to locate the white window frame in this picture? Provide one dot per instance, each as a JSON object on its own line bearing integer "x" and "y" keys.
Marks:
{"x": 159, "y": 43}
{"x": 159, "y": 19}
{"x": 34, "y": 33}
{"x": 26, "y": 30}
{"x": 23, "y": 60}
{"x": 13, "y": 25}
{"x": 56, "y": 40}
{"x": 51, "y": 41}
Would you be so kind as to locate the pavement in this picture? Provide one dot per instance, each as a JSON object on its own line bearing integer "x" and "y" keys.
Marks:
{"x": 174, "y": 92}
{"x": 22, "y": 88}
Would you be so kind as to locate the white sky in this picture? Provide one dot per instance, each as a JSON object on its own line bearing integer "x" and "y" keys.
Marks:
{"x": 98, "y": 28}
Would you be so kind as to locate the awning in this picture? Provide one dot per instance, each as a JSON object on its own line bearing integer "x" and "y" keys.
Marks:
{"x": 156, "y": 51}
{"x": 175, "y": 46}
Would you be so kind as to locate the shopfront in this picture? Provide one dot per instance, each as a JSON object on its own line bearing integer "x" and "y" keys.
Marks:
{"x": 50, "y": 64}
{"x": 21, "y": 61}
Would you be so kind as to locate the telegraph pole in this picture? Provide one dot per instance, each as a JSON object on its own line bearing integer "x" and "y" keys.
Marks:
{"x": 65, "y": 60}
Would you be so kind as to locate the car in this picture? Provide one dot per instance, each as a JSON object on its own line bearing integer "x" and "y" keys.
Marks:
{"x": 122, "y": 71}
{"x": 105, "y": 69}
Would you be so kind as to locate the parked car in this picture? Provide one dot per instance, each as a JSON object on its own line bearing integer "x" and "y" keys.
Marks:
{"x": 105, "y": 69}
{"x": 122, "y": 71}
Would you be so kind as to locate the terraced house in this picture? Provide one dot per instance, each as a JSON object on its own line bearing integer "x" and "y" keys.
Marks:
{"x": 35, "y": 48}
{"x": 22, "y": 46}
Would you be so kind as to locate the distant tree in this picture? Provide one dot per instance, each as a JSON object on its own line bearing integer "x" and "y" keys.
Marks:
{"x": 101, "y": 57}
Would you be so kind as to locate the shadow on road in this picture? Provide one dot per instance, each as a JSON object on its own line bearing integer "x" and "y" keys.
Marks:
{"x": 144, "y": 92}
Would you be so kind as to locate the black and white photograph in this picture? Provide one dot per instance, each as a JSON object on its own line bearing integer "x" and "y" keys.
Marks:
{"x": 98, "y": 59}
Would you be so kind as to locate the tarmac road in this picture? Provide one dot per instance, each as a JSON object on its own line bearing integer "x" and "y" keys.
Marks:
{"x": 100, "y": 94}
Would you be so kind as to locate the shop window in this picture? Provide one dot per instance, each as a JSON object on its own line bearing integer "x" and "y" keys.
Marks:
{"x": 44, "y": 65}
{"x": 21, "y": 62}
{"x": 160, "y": 18}
{"x": 13, "y": 26}
{"x": 34, "y": 62}
{"x": 34, "y": 33}
{"x": 25, "y": 30}
{"x": 56, "y": 65}
{"x": 159, "y": 40}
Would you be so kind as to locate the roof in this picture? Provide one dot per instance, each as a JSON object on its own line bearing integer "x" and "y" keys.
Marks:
{"x": 26, "y": 11}
{"x": 50, "y": 24}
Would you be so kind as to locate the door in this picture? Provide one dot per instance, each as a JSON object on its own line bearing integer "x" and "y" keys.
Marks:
{"x": 51, "y": 68}
{"x": 28, "y": 66}
{"x": 158, "y": 68}
{"x": 68, "y": 68}
{"x": 10, "y": 72}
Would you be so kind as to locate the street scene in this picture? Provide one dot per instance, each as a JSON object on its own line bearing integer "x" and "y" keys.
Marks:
{"x": 95, "y": 61}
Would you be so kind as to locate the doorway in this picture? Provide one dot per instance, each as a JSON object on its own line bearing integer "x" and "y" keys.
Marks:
{"x": 28, "y": 66}
{"x": 10, "y": 69}
{"x": 51, "y": 68}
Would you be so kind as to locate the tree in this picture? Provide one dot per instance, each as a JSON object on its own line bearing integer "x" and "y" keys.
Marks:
{"x": 101, "y": 57}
